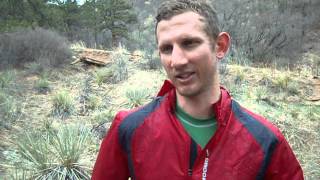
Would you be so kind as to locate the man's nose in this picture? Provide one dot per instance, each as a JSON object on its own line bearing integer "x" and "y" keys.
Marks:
{"x": 178, "y": 57}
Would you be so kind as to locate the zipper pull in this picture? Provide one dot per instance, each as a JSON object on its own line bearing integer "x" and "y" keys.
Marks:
{"x": 190, "y": 172}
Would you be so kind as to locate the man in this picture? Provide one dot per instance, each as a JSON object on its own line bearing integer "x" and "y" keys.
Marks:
{"x": 193, "y": 129}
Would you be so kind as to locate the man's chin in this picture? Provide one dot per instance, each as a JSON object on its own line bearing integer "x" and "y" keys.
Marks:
{"x": 187, "y": 92}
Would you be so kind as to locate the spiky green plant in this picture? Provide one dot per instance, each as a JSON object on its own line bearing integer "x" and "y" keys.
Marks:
{"x": 42, "y": 85}
{"x": 261, "y": 93}
{"x": 136, "y": 97}
{"x": 57, "y": 154}
{"x": 100, "y": 117}
{"x": 281, "y": 81}
{"x": 102, "y": 75}
{"x": 63, "y": 104}
{"x": 94, "y": 102}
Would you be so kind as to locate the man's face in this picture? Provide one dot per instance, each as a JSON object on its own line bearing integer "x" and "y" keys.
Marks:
{"x": 187, "y": 54}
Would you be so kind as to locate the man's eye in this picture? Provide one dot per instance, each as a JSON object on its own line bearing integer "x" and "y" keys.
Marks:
{"x": 166, "y": 49}
{"x": 190, "y": 43}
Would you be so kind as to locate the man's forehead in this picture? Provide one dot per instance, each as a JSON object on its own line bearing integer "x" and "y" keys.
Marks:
{"x": 182, "y": 17}
{"x": 188, "y": 19}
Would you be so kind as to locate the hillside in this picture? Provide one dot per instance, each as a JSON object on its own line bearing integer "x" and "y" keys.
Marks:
{"x": 84, "y": 98}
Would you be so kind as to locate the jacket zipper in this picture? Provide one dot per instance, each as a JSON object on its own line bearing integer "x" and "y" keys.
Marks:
{"x": 193, "y": 156}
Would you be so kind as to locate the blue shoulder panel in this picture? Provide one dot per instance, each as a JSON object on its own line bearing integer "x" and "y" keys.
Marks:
{"x": 130, "y": 123}
{"x": 264, "y": 136}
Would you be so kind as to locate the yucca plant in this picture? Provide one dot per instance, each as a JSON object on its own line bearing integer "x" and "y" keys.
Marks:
{"x": 20, "y": 174}
{"x": 261, "y": 93}
{"x": 69, "y": 144}
{"x": 101, "y": 117}
{"x": 42, "y": 85}
{"x": 281, "y": 81}
{"x": 54, "y": 155}
{"x": 102, "y": 75}
{"x": 35, "y": 151}
{"x": 63, "y": 105}
{"x": 136, "y": 97}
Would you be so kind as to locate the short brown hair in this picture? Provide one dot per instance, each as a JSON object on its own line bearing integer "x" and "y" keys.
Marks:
{"x": 171, "y": 8}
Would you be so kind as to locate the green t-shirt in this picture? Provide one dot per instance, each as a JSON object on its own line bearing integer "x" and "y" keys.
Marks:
{"x": 201, "y": 130}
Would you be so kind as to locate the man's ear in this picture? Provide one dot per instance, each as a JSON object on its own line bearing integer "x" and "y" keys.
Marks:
{"x": 222, "y": 45}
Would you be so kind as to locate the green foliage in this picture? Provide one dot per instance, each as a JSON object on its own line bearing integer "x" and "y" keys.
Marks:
{"x": 94, "y": 102}
{"x": 42, "y": 85}
{"x": 100, "y": 117}
{"x": 45, "y": 47}
{"x": 293, "y": 88}
{"x": 261, "y": 93}
{"x": 117, "y": 16}
{"x": 55, "y": 154}
{"x": 102, "y": 75}
{"x": 281, "y": 81}
{"x": 63, "y": 105}
{"x": 153, "y": 60}
{"x": 120, "y": 67}
{"x": 239, "y": 75}
{"x": 142, "y": 34}
{"x": 136, "y": 97}
{"x": 10, "y": 110}
{"x": 6, "y": 78}
{"x": 34, "y": 67}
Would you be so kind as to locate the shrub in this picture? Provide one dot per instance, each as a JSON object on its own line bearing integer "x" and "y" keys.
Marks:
{"x": 52, "y": 154}
{"x": 102, "y": 75}
{"x": 100, "y": 122}
{"x": 94, "y": 102}
{"x": 6, "y": 78}
{"x": 62, "y": 104}
{"x": 39, "y": 45}
{"x": 120, "y": 67}
{"x": 281, "y": 81}
{"x": 293, "y": 88}
{"x": 42, "y": 85}
{"x": 153, "y": 60}
{"x": 261, "y": 93}
{"x": 35, "y": 67}
{"x": 10, "y": 110}
{"x": 239, "y": 75}
{"x": 136, "y": 97}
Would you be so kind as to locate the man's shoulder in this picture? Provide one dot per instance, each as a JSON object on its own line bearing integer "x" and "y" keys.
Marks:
{"x": 256, "y": 123}
{"x": 131, "y": 119}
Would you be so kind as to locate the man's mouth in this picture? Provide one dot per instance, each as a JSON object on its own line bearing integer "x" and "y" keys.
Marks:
{"x": 184, "y": 77}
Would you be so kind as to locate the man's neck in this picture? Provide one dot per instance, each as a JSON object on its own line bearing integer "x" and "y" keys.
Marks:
{"x": 200, "y": 106}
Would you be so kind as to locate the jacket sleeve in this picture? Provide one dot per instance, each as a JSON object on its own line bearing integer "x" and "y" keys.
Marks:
{"x": 111, "y": 163}
{"x": 284, "y": 164}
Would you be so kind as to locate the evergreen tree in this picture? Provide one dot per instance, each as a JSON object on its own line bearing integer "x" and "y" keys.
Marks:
{"x": 117, "y": 16}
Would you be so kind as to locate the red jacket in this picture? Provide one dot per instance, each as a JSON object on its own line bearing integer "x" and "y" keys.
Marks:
{"x": 150, "y": 143}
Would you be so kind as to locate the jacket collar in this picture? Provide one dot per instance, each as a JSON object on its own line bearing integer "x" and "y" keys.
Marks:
{"x": 221, "y": 108}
